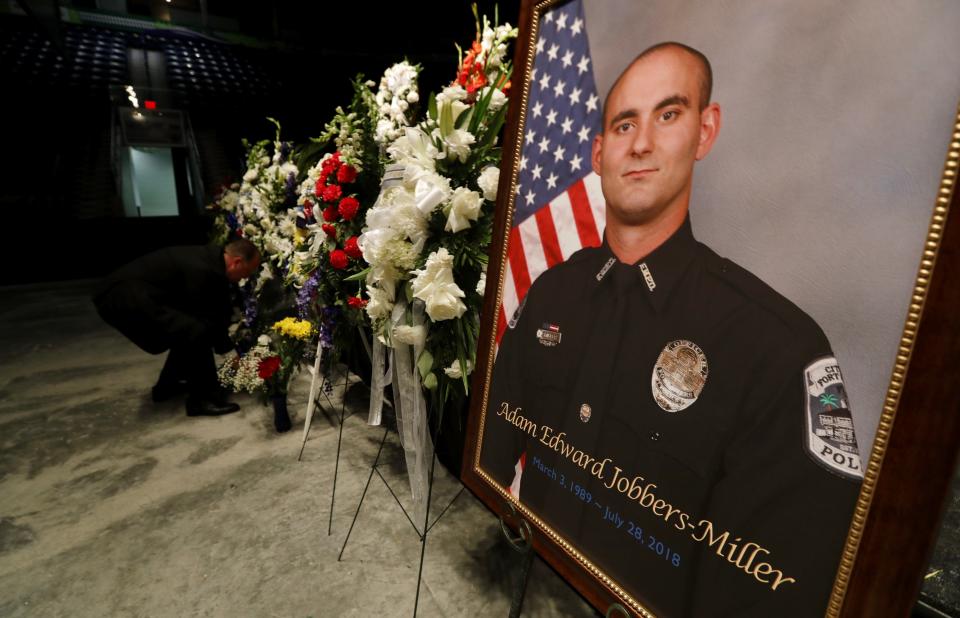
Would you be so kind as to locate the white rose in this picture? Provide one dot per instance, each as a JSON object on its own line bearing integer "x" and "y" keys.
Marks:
{"x": 464, "y": 207}
{"x": 434, "y": 285}
{"x": 410, "y": 335}
{"x": 453, "y": 370}
{"x": 487, "y": 181}
{"x": 263, "y": 340}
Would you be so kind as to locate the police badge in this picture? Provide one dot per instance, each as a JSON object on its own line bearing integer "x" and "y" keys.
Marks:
{"x": 679, "y": 375}
{"x": 830, "y": 438}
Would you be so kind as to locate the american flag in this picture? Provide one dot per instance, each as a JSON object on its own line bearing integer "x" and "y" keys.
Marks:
{"x": 559, "y": 206}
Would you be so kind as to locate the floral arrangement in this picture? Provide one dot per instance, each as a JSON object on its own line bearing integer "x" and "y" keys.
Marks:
{"x": 289, "y": 339}
{"x": 261, "y": 207}
{"x": 388, "y": 230}
{"x": 242, "y": 373}
{"x": 328, "y": 267}
{"x": 397, "y": 92}
{"x": 426, "y": 238}
{"x": 268, "y": 366}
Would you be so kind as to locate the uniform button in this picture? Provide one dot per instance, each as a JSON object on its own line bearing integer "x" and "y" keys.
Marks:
{"x": 654, "y": 435}
{"x": 723, "y": 268}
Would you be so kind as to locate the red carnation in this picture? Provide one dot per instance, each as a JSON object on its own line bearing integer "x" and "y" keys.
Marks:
{"x": 307, "y": 208}
{"x": 339, "y": 259}
{"x": 329, "y": 230}
{"x": 346, "y": 173}
{"x": 352, "y": 249}
{"x": 331, "y": 193}
{"x": 356, "y": 302}
{"x": 318, "y": 188}
{"x": 348, "y": 208}
{"x": 329, "y": 163}
{"x": 330, "y": 214}
{"x": 268, "y": 366}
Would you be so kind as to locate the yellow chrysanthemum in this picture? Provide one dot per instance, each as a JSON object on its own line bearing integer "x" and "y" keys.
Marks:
{"x": 292, "y": 327}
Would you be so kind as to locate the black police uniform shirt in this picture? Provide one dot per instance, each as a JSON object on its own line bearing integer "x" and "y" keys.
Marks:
{"x": 683, "y": 425}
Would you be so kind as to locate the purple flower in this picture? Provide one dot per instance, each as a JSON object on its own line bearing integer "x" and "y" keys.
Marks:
{"x": 285, "y": 148}
{"x": 328, "y": 321}
{"x": 249, "y": 304}
{"x": 290, "y": 186}
{"x": 306, "y": 294}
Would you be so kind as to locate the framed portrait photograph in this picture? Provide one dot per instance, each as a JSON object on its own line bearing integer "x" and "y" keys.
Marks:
{"x": 717, "y": 347}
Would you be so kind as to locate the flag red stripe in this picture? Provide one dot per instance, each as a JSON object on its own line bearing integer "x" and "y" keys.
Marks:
{"x": 582, "y": 214}
{"x": 518, "y": 264}
{"x": 548, "y": 237}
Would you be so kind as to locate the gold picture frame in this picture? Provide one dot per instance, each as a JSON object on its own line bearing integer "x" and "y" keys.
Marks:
{"x": 917, "y": 433}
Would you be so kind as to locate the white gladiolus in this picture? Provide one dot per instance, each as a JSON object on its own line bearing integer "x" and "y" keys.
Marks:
{"x": 464, "y": 207}
{"x": 398, "y": 88}
{"x": 434, "y": 285}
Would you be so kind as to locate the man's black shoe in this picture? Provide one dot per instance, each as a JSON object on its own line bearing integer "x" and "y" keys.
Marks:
{"x": 164, "y": 391}
{"x": 205, "y": 407}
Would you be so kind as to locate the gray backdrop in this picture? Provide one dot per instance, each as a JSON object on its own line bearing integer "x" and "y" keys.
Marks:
{"x": 836, "y": 123}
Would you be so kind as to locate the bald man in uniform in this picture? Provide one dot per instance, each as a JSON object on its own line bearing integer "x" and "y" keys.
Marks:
{"x": 672, "y": 416}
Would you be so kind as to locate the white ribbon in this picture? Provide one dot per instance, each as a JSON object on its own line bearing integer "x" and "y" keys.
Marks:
{"x": 427, "y": 196}
{"x": 410, "y": 405}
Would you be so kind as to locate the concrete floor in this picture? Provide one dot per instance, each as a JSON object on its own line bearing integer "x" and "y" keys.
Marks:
{"x": 111, "y": 505}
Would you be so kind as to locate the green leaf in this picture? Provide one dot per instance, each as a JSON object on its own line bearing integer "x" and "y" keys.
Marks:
{"x": 425, "y": 363}
{"x": 430, "y": 382}
{"x": 480, "y": 110}
{"x": 432, "y": 107}
{"x": 359, "y": 276}
{"x": 276, "y": 124}
{"x": 464, "y": 117}
{"x": 493, "y": 130}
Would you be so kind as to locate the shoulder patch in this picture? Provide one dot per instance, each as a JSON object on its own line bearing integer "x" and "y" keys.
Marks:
{"x": 830, "y": 439}
{"x": 516, "y": 314}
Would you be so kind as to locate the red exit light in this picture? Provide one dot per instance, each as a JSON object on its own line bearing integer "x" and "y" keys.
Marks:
{"x": 150, "y": 104}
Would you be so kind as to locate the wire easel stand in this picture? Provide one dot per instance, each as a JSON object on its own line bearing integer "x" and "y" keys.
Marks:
{"x": 427, "y": 526}
{"x": 313, "y": 402}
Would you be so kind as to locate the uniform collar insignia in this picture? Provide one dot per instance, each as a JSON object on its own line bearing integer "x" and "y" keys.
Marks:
{"x": 660, "y": 271}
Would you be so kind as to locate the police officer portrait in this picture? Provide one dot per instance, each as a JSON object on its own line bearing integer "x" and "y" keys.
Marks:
{"x": 679, "y": 412}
